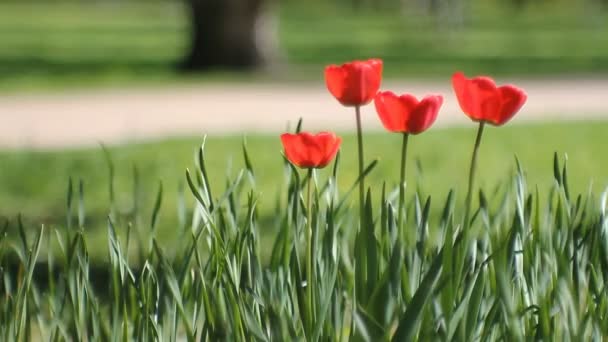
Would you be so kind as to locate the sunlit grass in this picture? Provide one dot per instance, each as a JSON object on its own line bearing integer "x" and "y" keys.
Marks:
{"x": 531, "y": 264}
{"x": 34, "y": 182}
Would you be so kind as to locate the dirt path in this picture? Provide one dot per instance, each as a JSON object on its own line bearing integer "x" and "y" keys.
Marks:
{"x": 112, "y": 116}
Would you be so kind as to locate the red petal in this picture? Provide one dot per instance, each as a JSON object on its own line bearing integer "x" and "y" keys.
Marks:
{"x": 425, "y": 114}
{"x": 485, "y": 99}
{"x": 288, "y": 141}
{"x": 478, "y": 97}
{"x": 329, "y": 143}
{"x": 460, "y": 85}
{"x": 310, "y": 151}
{"x": 409, "y": 102}
{"x": 374, "y": 78}
{"x": 333, "y": 150}
{"x": 292, "y": 147}
{"x": 355, "y": 83}
{"x": 335, "y": 77}
{"x": 313, "y": 149}
{"x": 481, "y": 100}
{"x": 393, "y": 110}
{"x": 512, "y": 99}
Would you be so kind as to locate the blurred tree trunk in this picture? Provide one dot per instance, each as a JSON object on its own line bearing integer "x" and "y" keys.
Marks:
{"x": 519, "y": 4}
{"x": 449, "y": 14}
{"x": 225, "y": 34}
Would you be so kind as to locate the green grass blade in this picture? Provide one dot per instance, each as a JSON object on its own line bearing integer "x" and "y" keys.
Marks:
{"x": 156, "y": 209}
{"x": 406, "y": 330}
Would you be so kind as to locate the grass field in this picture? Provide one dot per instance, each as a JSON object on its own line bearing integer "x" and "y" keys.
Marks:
{"x": 531, "y": 265}
{"x": 35, "y": 183}
{"x": 107, "y": 43}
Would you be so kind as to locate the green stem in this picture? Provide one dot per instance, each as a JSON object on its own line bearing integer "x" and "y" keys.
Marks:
{"x": 402, "y": 181}
{"x": 467, "y": 208}
{"x": 309, "y": 268}
{"x": 361, "y": 180}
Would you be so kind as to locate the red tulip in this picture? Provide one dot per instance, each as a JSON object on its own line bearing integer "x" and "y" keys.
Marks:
{"x": 482, "y": 100}
{"x": 310, "y": 151}
{"x": 354, "y": 83}
{"x": 405, "y": 114}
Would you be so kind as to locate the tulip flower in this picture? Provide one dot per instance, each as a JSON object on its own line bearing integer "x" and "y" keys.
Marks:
{"x": 482, "y": 101}
{"x": 308, "y": 151}
{"x": 407, "y": 115}
{"x": 355, "y": 84}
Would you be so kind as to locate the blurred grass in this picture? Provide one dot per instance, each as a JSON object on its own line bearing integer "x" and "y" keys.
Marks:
{"x": 34, "y": 183}
{"x": 74, "y": 43}
{"x": 491, "y": 36}
{"x": 48, "y": 44}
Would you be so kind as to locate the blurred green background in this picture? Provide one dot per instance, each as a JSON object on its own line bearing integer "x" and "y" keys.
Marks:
{"x": 53, "y": 45}
{"x": 50, "y": 44}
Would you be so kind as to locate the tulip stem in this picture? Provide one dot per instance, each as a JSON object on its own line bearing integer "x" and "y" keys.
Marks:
{"x": 361, "y": 178}
{"x": 467, "y": 208}
{"x": 402, "y": 180}
{"x": 310, "y": 279}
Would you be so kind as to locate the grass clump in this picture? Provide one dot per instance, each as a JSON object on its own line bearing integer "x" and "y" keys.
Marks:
{"x": 33, "y": 182}
{"x": 531, "y": 265}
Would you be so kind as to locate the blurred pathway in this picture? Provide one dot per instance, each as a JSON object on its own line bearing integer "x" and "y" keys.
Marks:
{"x": 113, "y": 116}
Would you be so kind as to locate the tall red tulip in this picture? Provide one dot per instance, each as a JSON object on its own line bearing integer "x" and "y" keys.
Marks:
{"x": 354, "y": 83}
{"x": 405, "y": 113}
{"x": 308, "y": 151}
{"x": 483, "y": 101}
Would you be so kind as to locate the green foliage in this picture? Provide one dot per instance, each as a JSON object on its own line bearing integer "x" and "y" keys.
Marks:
{"x": 531, "y": 266}
{"x": 34, "y": 182}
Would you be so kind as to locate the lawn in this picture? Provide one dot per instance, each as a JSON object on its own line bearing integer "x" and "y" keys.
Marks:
{"x": 34, "y": 183}
{"x": 62, "y": 44}
{"x": 269, "y": 263}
